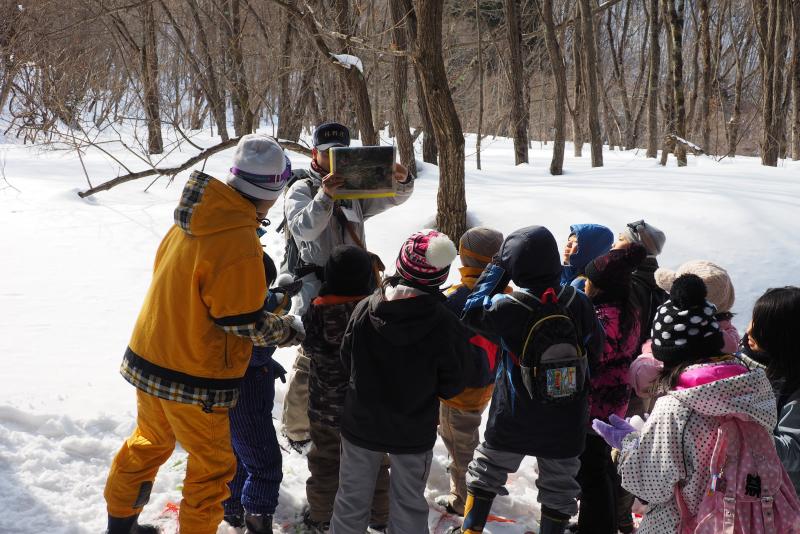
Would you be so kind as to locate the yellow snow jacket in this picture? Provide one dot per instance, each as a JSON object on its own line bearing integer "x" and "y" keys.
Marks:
{"x": 204, "y": 309}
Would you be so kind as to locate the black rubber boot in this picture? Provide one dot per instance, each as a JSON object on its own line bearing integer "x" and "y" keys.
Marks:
{"x": 129, "y": 525}
{"x": 553, "y": 521}
{"x": 235, "y": 520}
{"x": 257, "y": 523}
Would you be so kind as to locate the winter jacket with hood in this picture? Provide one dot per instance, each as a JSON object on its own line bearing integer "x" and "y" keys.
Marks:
{"x": 204, "y": 309}
{"x": 325, "y": 322}
{"x": 402, "y": 350}
{"x": 646, "y": 295}
{"x": 479, "y": 385}
{"x": 517, "y": 423}
{"x": 676, "y": 442}
{"x": 308, "y": 211}
{"x": 611, "y": 390}
{"x": 593, "y": 240}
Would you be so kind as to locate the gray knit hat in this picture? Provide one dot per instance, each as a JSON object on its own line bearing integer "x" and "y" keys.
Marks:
{"x": 260, "y": 168}
{"x": 646, "y": 235}
{"x": 478, "y": 245}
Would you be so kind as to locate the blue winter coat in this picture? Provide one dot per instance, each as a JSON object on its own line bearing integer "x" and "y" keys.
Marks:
{"x": 517, "y": 423}
{"x": 593, "y": 240}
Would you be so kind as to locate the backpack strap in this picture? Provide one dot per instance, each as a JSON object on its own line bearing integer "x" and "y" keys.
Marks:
{"x": 297, "y": 175}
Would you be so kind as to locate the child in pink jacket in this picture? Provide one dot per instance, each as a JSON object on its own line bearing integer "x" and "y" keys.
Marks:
{"x": 645, "y": 369}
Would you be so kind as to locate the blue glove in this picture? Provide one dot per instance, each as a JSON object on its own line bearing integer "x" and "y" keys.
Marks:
{"x": 615, "y": 432}
{"x": 493, "y": 280}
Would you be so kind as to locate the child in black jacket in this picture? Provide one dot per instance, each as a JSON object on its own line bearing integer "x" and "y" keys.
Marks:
{"x": 521, "y": 424}
{"x": 404, "y": 350}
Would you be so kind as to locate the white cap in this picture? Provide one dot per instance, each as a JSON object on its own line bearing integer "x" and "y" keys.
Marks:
{"x": 260, "y": 168}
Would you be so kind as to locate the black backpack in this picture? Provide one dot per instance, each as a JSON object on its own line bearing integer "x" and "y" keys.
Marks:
{"x": 291, "y": 254}
{"x": 552, "y": 361}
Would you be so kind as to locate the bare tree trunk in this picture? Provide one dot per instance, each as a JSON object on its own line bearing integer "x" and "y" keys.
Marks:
{"x": 590, "y": 71}
{"x": 286, "y": 115}
{"x": 480, "y": 84}
{"x": 676, "y": 8}
{"x": 795, "y": 81}
{"x": 652, "y": 81}
{"x": 243, "y": 114}
{"x": 430, "y": 152}
{"x": 705, "y": 88}
{"x": 451, "y": 215}
{"x": 149, "y": 66}
{"x": 405, "y": 144}
{"x": 354, "y": 78}
{"x": 215, "y": 95}
{"x": 580, "y": 93}
{"x": 516, "y": 72}
{"x": 770, "y": 21}
{"x": 559, "y": 73}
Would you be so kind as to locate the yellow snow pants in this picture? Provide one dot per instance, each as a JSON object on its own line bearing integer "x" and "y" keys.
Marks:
{"x": 210, "y": 466}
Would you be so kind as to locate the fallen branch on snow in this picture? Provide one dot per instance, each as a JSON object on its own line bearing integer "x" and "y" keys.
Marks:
{"x": 172, "y": 171}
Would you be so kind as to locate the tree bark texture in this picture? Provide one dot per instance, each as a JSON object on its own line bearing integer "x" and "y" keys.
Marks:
{"x": 559, "y": 74}
{"x": 652, "y": 81}
{"x": 796, "y": 80}
{"x": 354, "y": 78}
{"x": 480, "y": 84}
{"x": 590, "y": 82}
{"x": 243, "y": 114}
{"x": 677, "y": 8}
{"x": 516, "y": 73}
{"x": 705, "y": 87}
{"x": 579, "y": 110}
{"x": 149, "y": 69}
{"x": 451, "y": 215}
{"x": 405, "y": 145}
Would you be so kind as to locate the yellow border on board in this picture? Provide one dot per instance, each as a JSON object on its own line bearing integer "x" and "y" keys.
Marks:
{"x": 364, "y": 195}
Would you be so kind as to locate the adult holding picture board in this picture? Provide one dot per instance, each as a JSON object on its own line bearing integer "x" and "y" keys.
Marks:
{"x": 315, "y": 224}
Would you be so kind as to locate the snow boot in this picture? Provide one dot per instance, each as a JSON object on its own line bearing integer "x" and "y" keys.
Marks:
{"x": 257, "y": 523}
{"x": 235, "y": 520}
{"x": 476, "y": 510}
{"x": 129, "y": 525}
{"x": 553, "y": 521}
{"x": 376, "y": 529}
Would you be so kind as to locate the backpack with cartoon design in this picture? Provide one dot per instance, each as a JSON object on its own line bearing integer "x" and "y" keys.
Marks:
{"x": 749, "y": 491}
{"x": 552, "y": 362}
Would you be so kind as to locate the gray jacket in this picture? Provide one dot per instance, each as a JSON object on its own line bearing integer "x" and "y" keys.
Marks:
{"x": 311, "y": 222}
{"x": 787, "y": 438}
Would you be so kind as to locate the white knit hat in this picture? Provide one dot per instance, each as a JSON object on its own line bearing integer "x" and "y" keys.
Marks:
{"x": 716, "y": 279}
{"x": 260, "y": 168}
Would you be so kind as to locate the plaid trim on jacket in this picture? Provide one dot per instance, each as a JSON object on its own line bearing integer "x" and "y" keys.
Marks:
{"x": 179, "y": 387}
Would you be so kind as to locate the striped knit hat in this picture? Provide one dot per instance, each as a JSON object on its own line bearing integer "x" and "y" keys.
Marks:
{"x": 260, "y": 168}
{"x": 425, "y": 259}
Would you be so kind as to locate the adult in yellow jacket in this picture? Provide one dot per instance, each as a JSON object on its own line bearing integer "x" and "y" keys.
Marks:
{"x": 193, "y": 339}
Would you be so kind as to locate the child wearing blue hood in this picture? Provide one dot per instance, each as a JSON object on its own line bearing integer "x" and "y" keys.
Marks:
{"x": 586, "y": 242}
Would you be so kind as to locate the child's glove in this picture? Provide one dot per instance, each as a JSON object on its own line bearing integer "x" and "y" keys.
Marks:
{"x": 297, "y": 332}
{"x": 615, "y": 432}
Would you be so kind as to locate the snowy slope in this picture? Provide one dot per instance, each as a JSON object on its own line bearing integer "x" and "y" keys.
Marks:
{"x": 73, "y": 274}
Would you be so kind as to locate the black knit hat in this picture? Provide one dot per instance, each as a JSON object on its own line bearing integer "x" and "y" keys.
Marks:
{"x": 611, "y": 272}
{"x": 684, "y": 328}
{"x": 348, "y": 272}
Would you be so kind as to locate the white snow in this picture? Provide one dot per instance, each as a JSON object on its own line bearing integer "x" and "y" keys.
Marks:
{"x": 349, "y": 61}
{"x": 74, "y": 272}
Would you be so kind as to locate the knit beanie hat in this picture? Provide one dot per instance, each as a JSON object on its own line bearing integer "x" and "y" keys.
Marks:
{"x": 348, "y": 272}
{"x": 611, "y": 272}
{"x": 478, "y": 245}
{"x": 425, "y": 258}
{"x": 684, "y": 328}
{"x": 260, "y": 168}
{"x": 717, "y": 281}
{"x": 646, "y": 235}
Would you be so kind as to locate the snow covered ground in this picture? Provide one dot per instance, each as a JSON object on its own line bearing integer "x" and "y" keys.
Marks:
{"x": 73, "y": 274}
